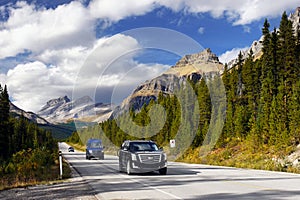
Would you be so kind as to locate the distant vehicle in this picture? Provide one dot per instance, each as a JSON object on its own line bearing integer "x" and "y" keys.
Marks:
{"x": 71, "y": 149}
{"x": 94, "y": 149}
{"x": 142, "y": 156}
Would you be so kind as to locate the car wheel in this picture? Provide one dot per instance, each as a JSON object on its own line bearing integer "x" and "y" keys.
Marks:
{"x": 128, "y": 168}
{"x": 163, "y": 171}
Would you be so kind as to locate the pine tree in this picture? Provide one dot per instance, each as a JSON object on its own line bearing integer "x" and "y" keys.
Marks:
{"x": 4, "y": 123}
{"x": 294, "y": 115}
{"x": 274, "y": 59}
{"x": 204, "y": 111}
{"x": 287, "y": 55}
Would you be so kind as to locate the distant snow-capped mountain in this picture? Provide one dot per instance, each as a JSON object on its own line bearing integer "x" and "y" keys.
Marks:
{"x": 62, "y": 110}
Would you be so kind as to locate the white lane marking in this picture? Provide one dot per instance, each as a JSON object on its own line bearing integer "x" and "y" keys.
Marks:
{"x": 155, "y": 188}
{"x": 140, "y": 182}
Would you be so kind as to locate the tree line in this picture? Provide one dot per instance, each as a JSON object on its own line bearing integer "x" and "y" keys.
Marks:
{"x": 17, "y": 132}
{"x": 26, "y": 151}
{"x": 263, "y": 103}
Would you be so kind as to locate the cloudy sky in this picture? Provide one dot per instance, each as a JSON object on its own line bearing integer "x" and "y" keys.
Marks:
{"x": 104, "y": 48}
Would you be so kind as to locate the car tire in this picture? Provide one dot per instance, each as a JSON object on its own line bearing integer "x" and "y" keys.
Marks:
{"x": 128, "y": 168}
{"x": 163, "y": 171}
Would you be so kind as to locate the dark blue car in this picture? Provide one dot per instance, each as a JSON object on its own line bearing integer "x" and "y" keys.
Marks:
{"x": 94, "y": 149}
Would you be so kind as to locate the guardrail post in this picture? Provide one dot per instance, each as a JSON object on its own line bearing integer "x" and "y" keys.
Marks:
{"x": 60, "y": 165}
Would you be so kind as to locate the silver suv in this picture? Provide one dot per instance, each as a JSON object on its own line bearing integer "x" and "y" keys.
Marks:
{"x": 142, "y": 156}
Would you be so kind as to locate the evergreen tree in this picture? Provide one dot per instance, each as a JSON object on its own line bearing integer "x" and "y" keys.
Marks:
{"x": 287, "y": 55}
{"x": 294, "y": 114}
{"x": 274, "y": 59}
{"x": 204, "y": 111}
{"x": 4, "y": 123}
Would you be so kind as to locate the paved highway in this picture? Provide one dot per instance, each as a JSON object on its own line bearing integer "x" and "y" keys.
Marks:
{"x": 183, "y": 181}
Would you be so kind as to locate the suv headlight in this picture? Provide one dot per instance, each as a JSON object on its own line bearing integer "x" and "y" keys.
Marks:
{"x": 90, "y": 151}
{"x": 133, "y": 157}
{"x": 165, "y": 156}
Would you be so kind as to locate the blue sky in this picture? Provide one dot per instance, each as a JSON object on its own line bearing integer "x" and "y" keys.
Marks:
{"x": 63, "y": 47}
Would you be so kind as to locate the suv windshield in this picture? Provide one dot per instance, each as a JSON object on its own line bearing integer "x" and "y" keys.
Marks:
{"x": 143, "y": 146}
{"x": 95, "y": 145}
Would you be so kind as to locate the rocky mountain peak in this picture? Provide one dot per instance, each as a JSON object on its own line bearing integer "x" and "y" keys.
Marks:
{"x": 295, "y": 18}
{"x": 204, "y": 62}
{"x": 60, "y": 100}
{"x": 205, "y": 56}
{"x": 192, "y": 67}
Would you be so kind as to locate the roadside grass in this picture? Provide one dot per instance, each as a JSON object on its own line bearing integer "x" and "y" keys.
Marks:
{"x": 42, "y": 175}
{"x": 242, "y": 156}
{"x": 77, "y": 146}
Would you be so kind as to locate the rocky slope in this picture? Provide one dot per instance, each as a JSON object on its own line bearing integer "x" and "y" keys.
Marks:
{"x": 63, "y": 109}
{"x": 17, "y": 112}
{"x": 192, "y": 67}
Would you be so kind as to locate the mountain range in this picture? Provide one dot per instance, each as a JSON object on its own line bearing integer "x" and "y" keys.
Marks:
{"x": 62, "y": 110}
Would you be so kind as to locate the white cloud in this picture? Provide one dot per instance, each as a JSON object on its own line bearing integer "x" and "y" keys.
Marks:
{"x": 247, "y": 29}
{"x": 239, "y": 13}
{"x": 33, "y": 29}
{"x": 201, "y": 30}
{"x": 115, "y": 10}
{"x": 254, "y": 10}
{"x": 231, "y": 54}
{"x": 103, "y": 65}
{"x": 31, "y": 84}
{"x": 111, "y": 66}
{"x": 3, "y": 79}
{"x": 36, "y": 29}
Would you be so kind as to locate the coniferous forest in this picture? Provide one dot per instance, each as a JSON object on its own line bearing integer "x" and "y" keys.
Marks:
{"x": 27, "y": 153}
{"x": 262, "y": 122}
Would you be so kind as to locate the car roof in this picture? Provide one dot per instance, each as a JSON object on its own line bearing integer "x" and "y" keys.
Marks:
{"x": 94, "y": 140}
{"x": 141, "y": 141}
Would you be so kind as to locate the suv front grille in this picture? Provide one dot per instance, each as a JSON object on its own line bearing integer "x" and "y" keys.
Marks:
{"x": 150, "y": 158}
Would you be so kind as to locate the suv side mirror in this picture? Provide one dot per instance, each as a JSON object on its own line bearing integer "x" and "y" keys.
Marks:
{"x": 161, "y": 148}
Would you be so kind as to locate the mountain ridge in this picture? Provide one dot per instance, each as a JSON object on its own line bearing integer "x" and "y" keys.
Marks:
{"x": 190, "y": 67}
{"x": 17, "y": 112}
{"x": 62, "y": 110}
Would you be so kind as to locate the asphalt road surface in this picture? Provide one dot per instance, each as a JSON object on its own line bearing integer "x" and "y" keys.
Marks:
{"x": 100, "y": 179}
{"x": 183, "y": 181}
